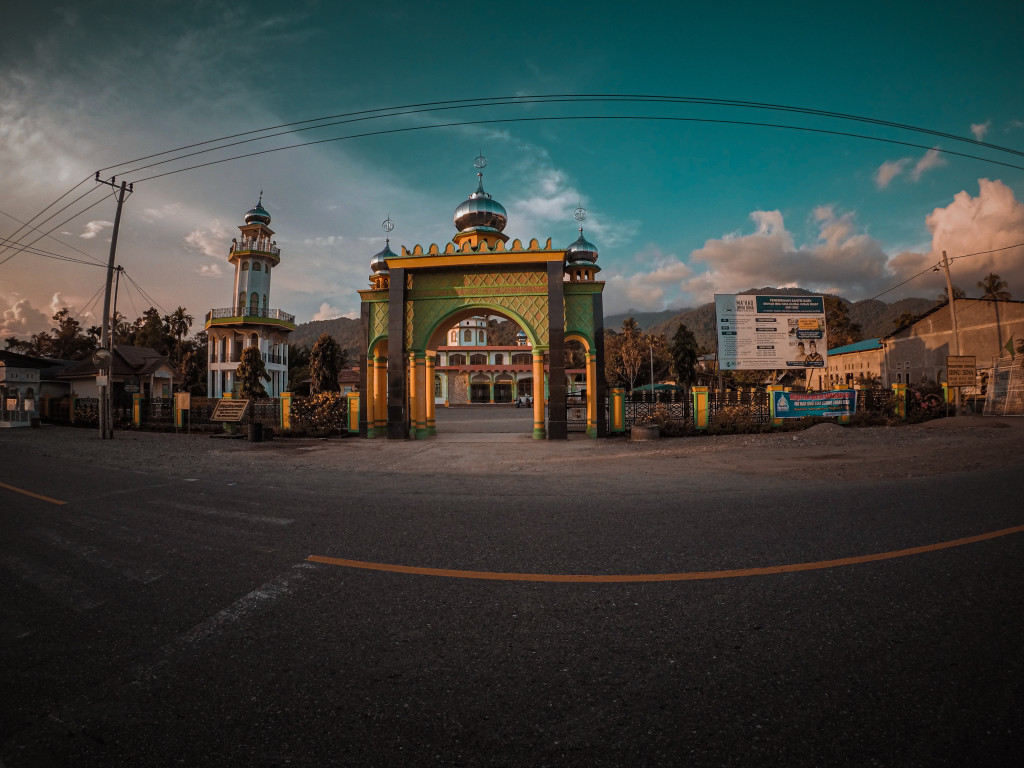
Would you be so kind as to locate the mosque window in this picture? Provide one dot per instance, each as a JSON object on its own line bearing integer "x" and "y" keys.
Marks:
{"x": 257, "y": 267}
{"x": 454, "y": 335}
{"x": 478, "y": 359}
{"x": 457, "y": 359}
{"x": 437, "y": 386}
{"x": 245, "y": 266}
{"x": 480, "y": 336}
{"x": 499, "y": 359}
{"x": 468, "y": 336}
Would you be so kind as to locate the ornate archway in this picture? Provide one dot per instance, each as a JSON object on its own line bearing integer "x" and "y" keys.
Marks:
{"x": 415, "y": 298}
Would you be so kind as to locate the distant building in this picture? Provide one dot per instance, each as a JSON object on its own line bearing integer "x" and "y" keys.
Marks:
{"x": 469, "y": 370}
{"x": 249, "y": 321}
{"x": 20, "y": 387}
{"x": 916, "y": 353}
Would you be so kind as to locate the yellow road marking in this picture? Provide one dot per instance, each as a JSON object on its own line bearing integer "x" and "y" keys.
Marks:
{"x": 33, "y": 495}
{"x": 640, "y": 577}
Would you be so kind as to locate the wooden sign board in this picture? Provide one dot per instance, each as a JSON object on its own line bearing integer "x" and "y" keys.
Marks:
{"x": 229, "y": 410}
{"x": 961, "y": 371}
{"x": 183, "y": 400}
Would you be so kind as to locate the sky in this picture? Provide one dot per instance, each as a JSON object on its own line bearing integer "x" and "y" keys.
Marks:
{"x": 684, "y": 200}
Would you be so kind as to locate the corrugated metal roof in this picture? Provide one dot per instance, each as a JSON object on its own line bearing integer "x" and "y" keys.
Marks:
{"x": 858, "y": 346}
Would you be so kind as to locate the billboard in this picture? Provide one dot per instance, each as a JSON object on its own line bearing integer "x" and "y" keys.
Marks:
{"x": 770, "y": 332}
{"x": 794, "y": 405}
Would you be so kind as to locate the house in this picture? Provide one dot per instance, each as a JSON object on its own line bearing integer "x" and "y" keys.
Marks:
{"x": 21, "y": 379}
{"x": 133, "y": 370}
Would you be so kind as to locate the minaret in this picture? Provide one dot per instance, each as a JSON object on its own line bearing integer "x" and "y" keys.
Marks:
{"x": 250, "y": 321}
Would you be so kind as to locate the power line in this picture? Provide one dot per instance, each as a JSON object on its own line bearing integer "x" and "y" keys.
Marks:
{"x": 56, "y": 227}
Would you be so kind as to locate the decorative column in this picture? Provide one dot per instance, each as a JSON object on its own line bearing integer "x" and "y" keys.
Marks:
{"x": 700, "y": 407}
{"x": 539, "y": 432}
{"x": 900, "y": 393}
{"x": 368, "y": 388}
{"x": 422, "y": 394}
{"x": 413, "y": 394}
{"x": 286, "y": 410}
{"x": 591, "y": 394}
{"x": 431, "y": 404}
{"x": 490, "y": 387}
{"x": 380, "y": 398}
{"x": 618, "y": 411}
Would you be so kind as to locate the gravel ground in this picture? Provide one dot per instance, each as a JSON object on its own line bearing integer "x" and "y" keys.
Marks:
{"x": 834, "y": 452}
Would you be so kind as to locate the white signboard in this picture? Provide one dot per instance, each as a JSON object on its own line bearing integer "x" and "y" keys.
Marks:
{"x": 770, "y": 332}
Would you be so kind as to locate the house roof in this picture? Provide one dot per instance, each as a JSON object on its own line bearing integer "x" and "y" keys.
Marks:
{"x": 857, "y": 346}
{"x": 25, "y": 361}
{"x": 127, "y": 361}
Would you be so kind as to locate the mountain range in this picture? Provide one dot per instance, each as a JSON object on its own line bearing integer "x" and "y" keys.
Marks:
{"x": 875, "y": 318}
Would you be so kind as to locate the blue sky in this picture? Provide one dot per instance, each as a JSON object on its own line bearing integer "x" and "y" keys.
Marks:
{"x": 678, "y": 210}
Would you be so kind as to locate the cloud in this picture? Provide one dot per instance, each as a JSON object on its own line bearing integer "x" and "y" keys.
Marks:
{"x": 210, "y": 270}
{"x": 840, "y": 259}
{"x": 23, "y": 320}
{"x": 888, "y": 171}
{"x": 931, "y": 159}
{"x": 980, "y": 130}
{"x": 214, "y": 241}
{"x": 151, "y": 215}
{"x": 327, "y": 312}
{"x": 93, "y": 228}
{"x": 656, "y": 288}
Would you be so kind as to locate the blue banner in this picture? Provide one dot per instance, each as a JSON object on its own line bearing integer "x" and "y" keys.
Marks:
{"x": 795, "y": 405}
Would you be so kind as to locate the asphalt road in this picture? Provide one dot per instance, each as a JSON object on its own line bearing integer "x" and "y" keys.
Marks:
{"x": 154, "y": 619}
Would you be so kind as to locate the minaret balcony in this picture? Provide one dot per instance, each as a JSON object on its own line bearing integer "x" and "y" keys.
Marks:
{"x": 250, "y": 315}
{"x": 255, "y": 245}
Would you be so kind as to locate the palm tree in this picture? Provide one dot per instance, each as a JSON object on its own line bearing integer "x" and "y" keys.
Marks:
{"x": 179, "y": 322}
{"x": 994, "y": 287}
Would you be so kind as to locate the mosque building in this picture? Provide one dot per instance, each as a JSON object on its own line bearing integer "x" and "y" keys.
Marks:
{"x": 426, "y": 316}
{"x": 249, "y": 321}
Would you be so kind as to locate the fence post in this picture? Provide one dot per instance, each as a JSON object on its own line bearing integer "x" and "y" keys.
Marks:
{"x": 285, "y": 416}
{"x": 618, "y": 411}
{"x": 700, "y": 408}
{"x": 71, "y": 408}
{"x": 179, "y": 414}
{"x": 353, "y": 413}
{"x": 900, "y": 392}
{"x": 137, "y": 410}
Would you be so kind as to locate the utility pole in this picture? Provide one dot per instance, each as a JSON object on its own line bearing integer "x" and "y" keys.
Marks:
{"x": 952, "y": 317}
{"x": 105, "y": 410}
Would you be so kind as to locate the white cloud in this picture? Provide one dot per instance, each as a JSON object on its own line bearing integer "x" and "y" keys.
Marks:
{"x": 656, "y": 288}
{"x": 980, "y": 130}
{"x": 23, "y": 320}
{"x": 170, "y": 210}
{"x": 210, "y": 270}
{"x": 214, "y": 241}
{"x": 888, "y": 171}
{"x": 93, "y": 228}
{"x": 327, "y": 312}
{"x": 931, "y": 159}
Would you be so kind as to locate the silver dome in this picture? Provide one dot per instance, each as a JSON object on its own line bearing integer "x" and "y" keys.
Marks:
{"x": 379, "y": 262}
{"x": 480, "y": 210}
{"x": 581, "y": 251}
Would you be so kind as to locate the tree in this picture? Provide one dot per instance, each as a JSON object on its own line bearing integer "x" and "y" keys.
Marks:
{"x": 684, "y": 353}
{"x": 905, "y": 319}
{"x": 325, "y": 363}
{"x": 624, "y": 354}
{"x": 193, "y": 372}
{"x": 840, "y": 328}
{"x": 994, "y": 287}
{"x": 151, "y": 330}
{"x": 179, "y": 322}
{"x": 251, "y": 373}
{"x": 958, "y": 293}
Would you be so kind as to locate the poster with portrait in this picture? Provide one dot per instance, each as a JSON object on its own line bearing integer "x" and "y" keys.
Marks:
{"x": 758, "y": 332}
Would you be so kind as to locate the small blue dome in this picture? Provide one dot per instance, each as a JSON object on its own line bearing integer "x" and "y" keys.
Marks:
{"x": 258, "y": 214}
{"x": 581, "y": 251}
{"x": 379, "y": 262}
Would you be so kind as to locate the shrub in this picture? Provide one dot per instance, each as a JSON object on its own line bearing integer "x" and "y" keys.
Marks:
{"x": 320, "y": 415}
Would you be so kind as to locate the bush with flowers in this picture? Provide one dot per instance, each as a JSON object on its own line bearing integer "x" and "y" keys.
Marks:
{"x": 320, "y": 415}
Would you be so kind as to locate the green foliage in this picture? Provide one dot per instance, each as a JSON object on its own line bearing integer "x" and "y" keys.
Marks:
{"x": 994, "y": 287}
{"x": 193, "y": 372}
{"x": 839, "y": 326}
{"x": 627, "y": 356}
{"x": 320, "y": 415}
{"x": 684, "y": 352}
{"x": 251, "y": 373}
{"x": 325, "y": 363}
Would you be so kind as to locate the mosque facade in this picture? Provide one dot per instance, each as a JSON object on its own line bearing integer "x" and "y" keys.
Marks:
{"x": 249, "y": 321}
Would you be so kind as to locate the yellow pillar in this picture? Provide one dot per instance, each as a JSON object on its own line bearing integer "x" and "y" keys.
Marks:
{"x": 772, "y": 388}
{"x": 431, "y": 405}
{"x": 900, "y": 392}
{"x": 137, "y": 410}
{"x": 591, "y": 394}
{"x": 369, "y": 395}
{"x": 380, "y": 397}
{"x": 617, "y": 400}
{"x": 539, "y": 432}
{"x": 353, "y": 412}
{"x": 700, "y": 407}
{"x": 286, "y": 410}
{"x": 413, "y": 396}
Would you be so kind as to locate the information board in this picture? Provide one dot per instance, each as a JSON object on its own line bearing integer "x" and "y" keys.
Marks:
{"x": 796, "y": 405}
{"x": 770, "y": 332}
{"x": 229, "y": 410}
{"x": 961, "y": 371}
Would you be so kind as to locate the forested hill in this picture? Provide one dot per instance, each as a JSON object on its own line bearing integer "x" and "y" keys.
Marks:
{"x": 876, "y": 318}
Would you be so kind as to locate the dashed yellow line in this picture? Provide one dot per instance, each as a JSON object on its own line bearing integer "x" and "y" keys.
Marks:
{"x": 30, "y": 493}
{"x": 646, "y": 577}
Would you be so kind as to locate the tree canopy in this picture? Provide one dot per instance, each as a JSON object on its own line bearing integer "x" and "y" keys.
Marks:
{"x": 325, "y": 363}
{"x": 251, "y": 373}
{"x": 684, "y": 352}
